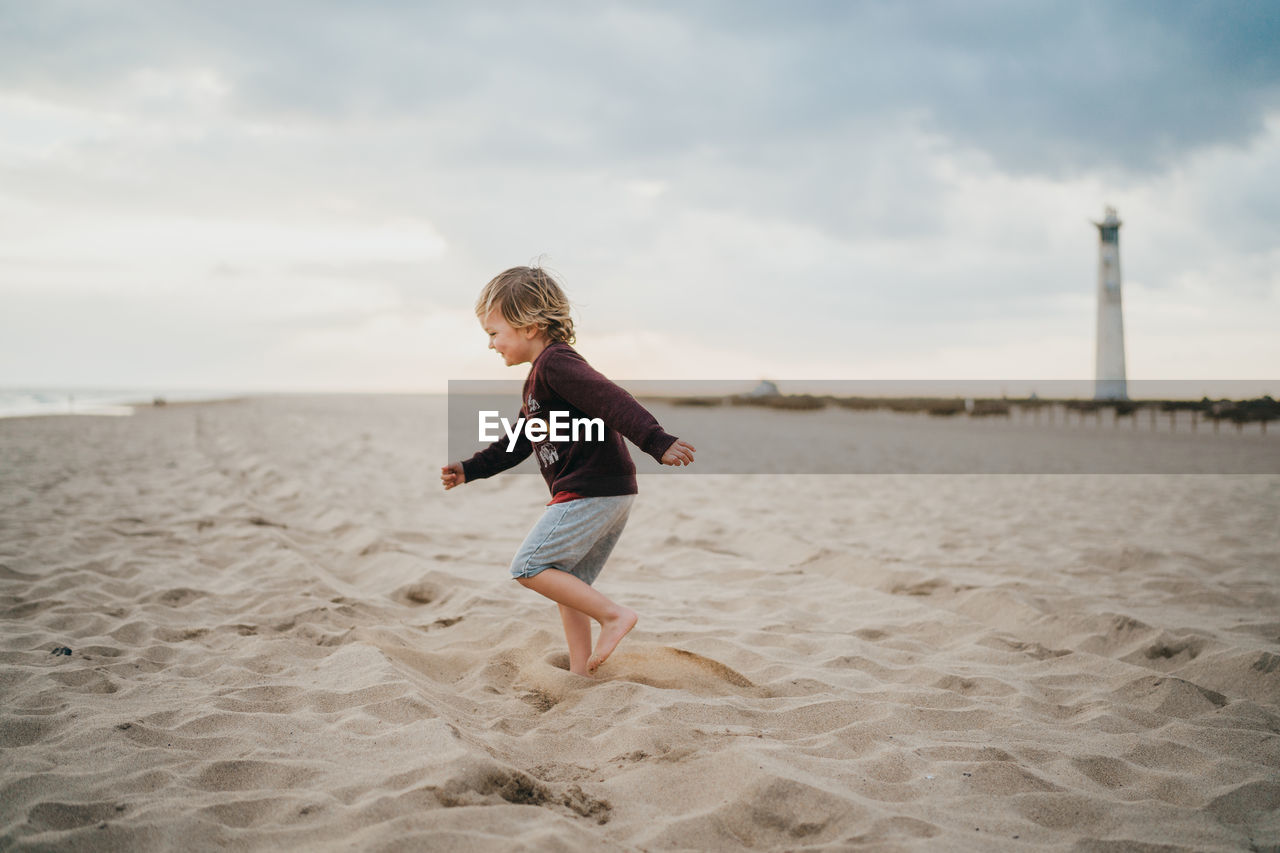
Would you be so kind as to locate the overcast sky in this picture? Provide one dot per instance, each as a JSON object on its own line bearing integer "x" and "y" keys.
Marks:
{"x": 309, "y": 195}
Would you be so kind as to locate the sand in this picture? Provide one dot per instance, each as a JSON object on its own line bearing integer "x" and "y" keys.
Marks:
{"x": 284, "y": 635}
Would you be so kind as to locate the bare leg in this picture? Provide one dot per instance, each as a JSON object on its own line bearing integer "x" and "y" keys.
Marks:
{"x": 563, "y": 588}
{"x": 577, "y": 630}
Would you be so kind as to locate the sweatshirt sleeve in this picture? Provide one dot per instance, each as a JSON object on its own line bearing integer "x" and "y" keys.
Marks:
{"x": 588, "y": 390}
{"x": 495, "y": 458}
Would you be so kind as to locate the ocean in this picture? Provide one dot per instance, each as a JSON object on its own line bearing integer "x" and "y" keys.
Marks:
{"x": 26, "y": 402}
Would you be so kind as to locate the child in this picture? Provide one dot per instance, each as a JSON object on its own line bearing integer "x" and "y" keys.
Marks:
{"x": 593, "y": 482}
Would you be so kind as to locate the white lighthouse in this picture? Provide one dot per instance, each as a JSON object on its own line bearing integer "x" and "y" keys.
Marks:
{"x": 1109, "y": 377}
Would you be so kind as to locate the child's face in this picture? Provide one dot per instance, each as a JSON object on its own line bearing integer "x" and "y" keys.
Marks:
{"x": 516, "y": 346}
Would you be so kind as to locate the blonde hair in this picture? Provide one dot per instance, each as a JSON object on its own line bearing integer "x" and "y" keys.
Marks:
{"x": 528, "y": 296}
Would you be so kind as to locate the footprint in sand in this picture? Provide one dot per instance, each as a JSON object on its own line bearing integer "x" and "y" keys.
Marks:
{"x": 668, "y": 668}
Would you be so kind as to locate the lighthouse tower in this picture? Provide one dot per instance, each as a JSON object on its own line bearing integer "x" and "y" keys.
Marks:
{"x": 1109, "y": 378}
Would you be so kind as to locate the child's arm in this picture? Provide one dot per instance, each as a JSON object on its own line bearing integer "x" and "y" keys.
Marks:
{"x": 493, "y": 459}
{"x": 595, "y": 395}
{"x": 452, "y": 475}
{"x": 680, "y": 453}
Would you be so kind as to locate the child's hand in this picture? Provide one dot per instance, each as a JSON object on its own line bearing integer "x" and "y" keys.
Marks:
{"x": 680, "y": 453}
{"x": 452, "y": 475}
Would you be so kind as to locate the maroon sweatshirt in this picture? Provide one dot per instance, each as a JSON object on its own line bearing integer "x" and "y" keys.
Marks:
{"x": 561, "y": 380}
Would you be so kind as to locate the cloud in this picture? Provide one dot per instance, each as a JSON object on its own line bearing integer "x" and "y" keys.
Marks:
{"x": 1041, "y": 88}
{"x": 853, "y": 187}
{"x": 202, "y": 242}
{"x": 1045, "y": 88}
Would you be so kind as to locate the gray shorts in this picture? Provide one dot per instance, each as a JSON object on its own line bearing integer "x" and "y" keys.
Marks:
{"x": 575, "y": 537}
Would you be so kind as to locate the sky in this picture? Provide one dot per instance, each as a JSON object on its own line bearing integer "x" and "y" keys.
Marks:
{"x": 308, "y": 196}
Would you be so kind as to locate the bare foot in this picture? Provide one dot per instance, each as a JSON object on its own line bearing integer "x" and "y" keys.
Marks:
{"x": 611, "y": 633}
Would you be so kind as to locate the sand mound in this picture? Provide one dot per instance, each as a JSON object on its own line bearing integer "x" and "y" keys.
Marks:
{"x": 672, "y": 669}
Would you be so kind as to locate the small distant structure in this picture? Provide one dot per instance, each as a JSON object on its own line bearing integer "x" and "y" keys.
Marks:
{"x": 1109, "y": 375}
{"x": 764, "y": 389}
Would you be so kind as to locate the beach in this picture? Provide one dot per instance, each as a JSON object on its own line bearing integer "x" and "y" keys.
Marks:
{"x": 281, "y": 633}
